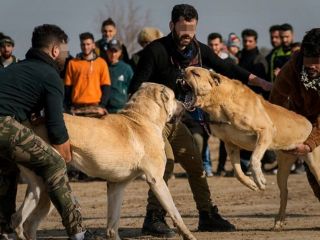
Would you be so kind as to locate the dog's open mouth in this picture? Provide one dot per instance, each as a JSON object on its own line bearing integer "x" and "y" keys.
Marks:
{"x": 186, "y": 95}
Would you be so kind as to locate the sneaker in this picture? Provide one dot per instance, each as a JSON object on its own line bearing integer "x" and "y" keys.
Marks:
{"x": 213, "y": 222}
{"x": 154, "y": 224}
{"x": 209, "y": 174}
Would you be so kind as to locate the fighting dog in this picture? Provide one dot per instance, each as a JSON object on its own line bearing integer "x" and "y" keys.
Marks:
{"x": 244, "y": 120}
{"x": 117, "y": 148}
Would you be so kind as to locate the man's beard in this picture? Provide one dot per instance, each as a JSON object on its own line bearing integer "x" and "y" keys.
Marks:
{"x": 6, "y": 55}
{"x": 180, "y": 41}
{"x": 60, "y": 61}
{"x": 312, "y": 73}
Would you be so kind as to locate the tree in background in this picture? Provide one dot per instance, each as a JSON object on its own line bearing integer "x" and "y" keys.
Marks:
{"x": 129, "y": 19}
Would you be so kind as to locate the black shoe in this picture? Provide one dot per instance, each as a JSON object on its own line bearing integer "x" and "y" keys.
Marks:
{"x": 154, "y": 224}
{"x": 213, "y": 222}
{"x": 5, "y": 237}
{"x": 88, "y": 235}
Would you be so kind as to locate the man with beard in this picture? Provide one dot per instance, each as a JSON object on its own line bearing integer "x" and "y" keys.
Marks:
{"x": 282, "y": 54}
{"x": 6, "y": 50}
{"x": 297, "y": 87}
{"x": 28, "y": 87}
{"x": 275, "y": 41}
{"x": 162, "y": 62}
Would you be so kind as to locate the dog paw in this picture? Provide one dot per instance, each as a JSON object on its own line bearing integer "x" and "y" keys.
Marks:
{"x": 252, "y": 185}
{"x": 259, "y": 179}
{"x": 278, "y": 226}
{"x": 112, "y": 234}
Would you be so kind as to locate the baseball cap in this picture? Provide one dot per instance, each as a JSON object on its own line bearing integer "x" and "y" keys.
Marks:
{"x": 115, "y": 45}
{"x": 6, "y": 39}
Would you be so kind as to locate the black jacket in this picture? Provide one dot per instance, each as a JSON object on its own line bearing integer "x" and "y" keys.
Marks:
{"x": 157, "y": 64}
{"x": 254, "y": 62}
{"x": 31, "y": 85}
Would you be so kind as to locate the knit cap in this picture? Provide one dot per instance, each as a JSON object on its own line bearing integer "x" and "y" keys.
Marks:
{"x": 233, "y": 40}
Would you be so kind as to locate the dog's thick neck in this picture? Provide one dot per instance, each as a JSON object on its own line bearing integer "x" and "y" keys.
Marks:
{"x": 146, "y": 107}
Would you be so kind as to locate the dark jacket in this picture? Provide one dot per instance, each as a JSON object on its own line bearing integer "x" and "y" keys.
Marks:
{"x": 158, "y": 64}
{"x": 254, "y": 62}
{"x": 288, "y": 91}
{"x": 31, "y": 85}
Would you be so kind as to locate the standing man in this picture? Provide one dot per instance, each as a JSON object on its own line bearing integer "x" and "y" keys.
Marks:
{"x": 215, "y": 42}
{"x": 87, "y": 81}
{"x": 275, "y": 40}
{"x": 297, "y": 88}
{"x": 28, "y": 87}
{"x": 121, "y": 75}
{"x": 251, "y": 59}
{"x": 109, "y": 32}
{"x": 6, "y": 52}
{"x": 162, "y": 62}
{"x": 283, "y": 53}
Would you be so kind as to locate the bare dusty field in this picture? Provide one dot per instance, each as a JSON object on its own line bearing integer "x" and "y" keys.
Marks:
{"x": 251, "y": 212}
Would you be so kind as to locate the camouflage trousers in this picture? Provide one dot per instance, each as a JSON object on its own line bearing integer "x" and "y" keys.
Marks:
{"x": 181, "y": 146}
{"x": 18, "y": 144}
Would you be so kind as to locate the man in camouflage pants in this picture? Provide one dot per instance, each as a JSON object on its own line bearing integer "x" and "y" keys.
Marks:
{"x": 28, "y": 87}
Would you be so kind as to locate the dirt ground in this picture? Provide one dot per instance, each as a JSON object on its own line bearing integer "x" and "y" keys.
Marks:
{"x": 252, "y": 213}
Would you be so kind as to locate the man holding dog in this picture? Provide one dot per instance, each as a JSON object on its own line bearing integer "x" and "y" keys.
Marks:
{"x": 297, "y": 87}
{"x": 28, "y": 87}
{"x": 162, "y": 62}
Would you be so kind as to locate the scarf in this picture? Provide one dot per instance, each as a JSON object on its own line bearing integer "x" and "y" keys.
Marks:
{"x": 309, "y": 83}
{"x": 186, "y": 57}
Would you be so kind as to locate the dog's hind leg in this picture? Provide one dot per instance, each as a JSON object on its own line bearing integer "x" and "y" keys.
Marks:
{"x": 115, "y": 193}
{"x": 285, "y": 161}
{"x": 161, "y": 191}
{"x": 234, "y": 154}
{"x": 43, "y": 209}
{"x": 30, "y": 201}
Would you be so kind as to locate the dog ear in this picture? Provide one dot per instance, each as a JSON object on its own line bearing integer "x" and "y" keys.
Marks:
{"x": 215, "y": 77}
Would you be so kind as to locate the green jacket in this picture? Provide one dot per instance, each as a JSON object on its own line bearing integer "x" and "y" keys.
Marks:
{"x": 121, "y": 75}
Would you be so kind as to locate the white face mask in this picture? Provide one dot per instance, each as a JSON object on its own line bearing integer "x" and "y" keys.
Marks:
{"x": 308, "y": 83}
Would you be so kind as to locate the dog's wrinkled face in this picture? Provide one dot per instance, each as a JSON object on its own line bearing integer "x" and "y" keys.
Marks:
{"x": 165, "y": 97}
{"x": 196, "y": 83}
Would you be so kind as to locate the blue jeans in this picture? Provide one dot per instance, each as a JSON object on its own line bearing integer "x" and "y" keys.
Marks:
{"x": 206, "y": 161}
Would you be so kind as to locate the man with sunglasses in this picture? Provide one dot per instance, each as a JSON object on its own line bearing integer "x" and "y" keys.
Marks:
{"x": 161, "y": 62}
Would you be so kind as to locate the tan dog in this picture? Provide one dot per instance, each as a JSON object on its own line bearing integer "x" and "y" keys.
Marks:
{"x": 117, "y": 148}
{"x": 244, "y": 120}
